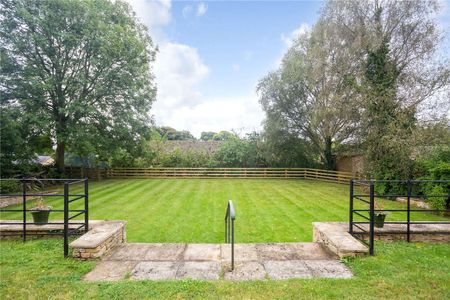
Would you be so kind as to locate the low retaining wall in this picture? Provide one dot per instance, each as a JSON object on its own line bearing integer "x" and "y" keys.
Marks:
{"x": 100, "y": 240}
{"x": 335, "y": 237}
{"x": 419, "y": 232}
{"x": 48, "y": 230}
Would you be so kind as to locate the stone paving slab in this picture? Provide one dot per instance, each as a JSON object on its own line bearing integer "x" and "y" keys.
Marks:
{"x": 202, "y": 252}
{"x": 204, "y": 270}
{"x": 110, "y": 270}
{"x": 328, "y": 269}
{"x": 292, "y": 251}
{"x": 155, "y": 270}
{"x": 213, "y": 261}
{"x": 287, "y": 269}
{"x": 164, "y": 252}
{"x": 242, "y": 252}
{"x": 250, "y": 270}
{"x": 129, "y": 251}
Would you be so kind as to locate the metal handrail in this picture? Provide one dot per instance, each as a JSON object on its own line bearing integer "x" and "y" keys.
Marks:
{"x": 67, "y": 197}
{"x": 230, "y": 216}
{"x": 371, "y": 210}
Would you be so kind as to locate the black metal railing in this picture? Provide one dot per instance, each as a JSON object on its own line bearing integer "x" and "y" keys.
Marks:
{"x": 230, "y": 216}
{"x": 363, "y": 191}
{"x": 31, "y": 188}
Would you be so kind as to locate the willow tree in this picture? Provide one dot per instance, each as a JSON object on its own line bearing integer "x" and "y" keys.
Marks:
{"x": 311, "y": 93}
{"x": 80, "y": 69}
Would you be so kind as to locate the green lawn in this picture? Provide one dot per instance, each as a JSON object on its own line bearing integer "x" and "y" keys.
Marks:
{"x": 37, "y": 270}
{"x": 192, "y": 210}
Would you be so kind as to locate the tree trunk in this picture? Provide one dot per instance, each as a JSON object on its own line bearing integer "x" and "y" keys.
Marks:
{"x": 328, "y": 155}
{"x": 60, "y": 149}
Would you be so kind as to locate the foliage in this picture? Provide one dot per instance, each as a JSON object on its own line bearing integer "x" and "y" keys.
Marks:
{"x": 387, "y": 126}
{"x": 9, "y": 186}
{"x": 207, "y": 135}
{"x": 435, "y": 166}
{"x": 236, "y": 152}
{"x": 311, "y": 95}
{"x": 13, "y": 147}
{"x": 281, "y": 148}
{"x": 224, "y": 136}
{"x": 172, "y": 134}
{"x": 79, "y": 70}
{"x": 39, "y": 204}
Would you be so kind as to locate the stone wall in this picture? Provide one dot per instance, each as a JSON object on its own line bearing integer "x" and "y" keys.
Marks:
{"x": 99, "y": 241}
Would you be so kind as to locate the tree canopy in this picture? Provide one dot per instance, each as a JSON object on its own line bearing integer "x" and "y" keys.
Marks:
{"x": 80, "y": 71}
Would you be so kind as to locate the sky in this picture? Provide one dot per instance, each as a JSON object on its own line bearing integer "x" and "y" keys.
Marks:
{"x": 212, "y": 55}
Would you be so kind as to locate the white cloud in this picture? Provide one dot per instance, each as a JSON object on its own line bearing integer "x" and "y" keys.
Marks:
{"x": 187, "y": 10}
{"x": 154, "y": 14}
{"x": 179, "y": 70}
{"x": 241, "y": 113}
{"x": 289, "y": 39}
{"x": 201, "y": 9}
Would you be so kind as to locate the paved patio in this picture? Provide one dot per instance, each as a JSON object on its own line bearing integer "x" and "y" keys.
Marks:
{"x": 212, "y": 262}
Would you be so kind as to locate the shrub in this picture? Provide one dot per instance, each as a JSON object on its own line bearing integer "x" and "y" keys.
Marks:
{"x": 9, "y": 186}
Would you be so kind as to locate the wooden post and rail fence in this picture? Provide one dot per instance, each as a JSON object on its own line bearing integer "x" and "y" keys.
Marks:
{"x": 159, "y": 172}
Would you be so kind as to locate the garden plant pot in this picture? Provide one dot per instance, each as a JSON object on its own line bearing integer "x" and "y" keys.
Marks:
{"x": 379, "y": 220}
{"x": 40, "y": 217}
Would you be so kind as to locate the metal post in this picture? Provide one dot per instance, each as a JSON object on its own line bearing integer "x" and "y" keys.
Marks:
{"x": 350, "y": 225}
{"x": 408, "y": 213}
{"x": 232, "y": 245}
{"x": 86, "y": 205}
{"x": 229, "y": 228}
{"x": 24, "y": 208}
{"x": 372, "y": 217}
{"x": 66, "y": 219}
{"x": 226, "y": 230}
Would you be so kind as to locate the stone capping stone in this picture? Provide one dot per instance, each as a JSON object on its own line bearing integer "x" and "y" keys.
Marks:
{"x": 335, "y": 237}
{"x": 99, "y": 234}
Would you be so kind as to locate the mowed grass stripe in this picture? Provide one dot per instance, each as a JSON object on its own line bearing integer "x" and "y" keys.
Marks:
{"x": 259, "y": 206}
{"x": 193, "y": 210}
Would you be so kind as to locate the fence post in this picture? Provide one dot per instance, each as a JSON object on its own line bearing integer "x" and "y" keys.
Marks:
{"x": 86, "y": 205}
{"x": 66, "y": 219}
{"x": 350, "y": 225}
{"x": 372, "y": 217}
{"x": 408, "y": 213}
{"x": 24, "y": 208}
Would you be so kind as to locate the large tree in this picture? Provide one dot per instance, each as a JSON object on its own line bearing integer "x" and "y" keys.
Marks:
{"x": 79, "y": 69}
{"x": 402, "y": 74}
{"x": 311, "y": 94}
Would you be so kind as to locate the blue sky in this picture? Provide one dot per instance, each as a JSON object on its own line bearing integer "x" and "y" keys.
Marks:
{"x": 213, "y": 53}
{"x": 239, "y": 41}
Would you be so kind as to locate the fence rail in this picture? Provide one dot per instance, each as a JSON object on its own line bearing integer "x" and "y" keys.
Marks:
{"x": 368, "y": 214}
{"x": 274, "y": 173}
{"x": 67, "y": 197}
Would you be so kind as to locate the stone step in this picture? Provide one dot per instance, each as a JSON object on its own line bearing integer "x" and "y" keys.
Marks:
{"x": 219, "y": 252}
{"x": 335, "y": 236}
{"x": 99, "y": 240}
{"x": 212, "y": 262}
